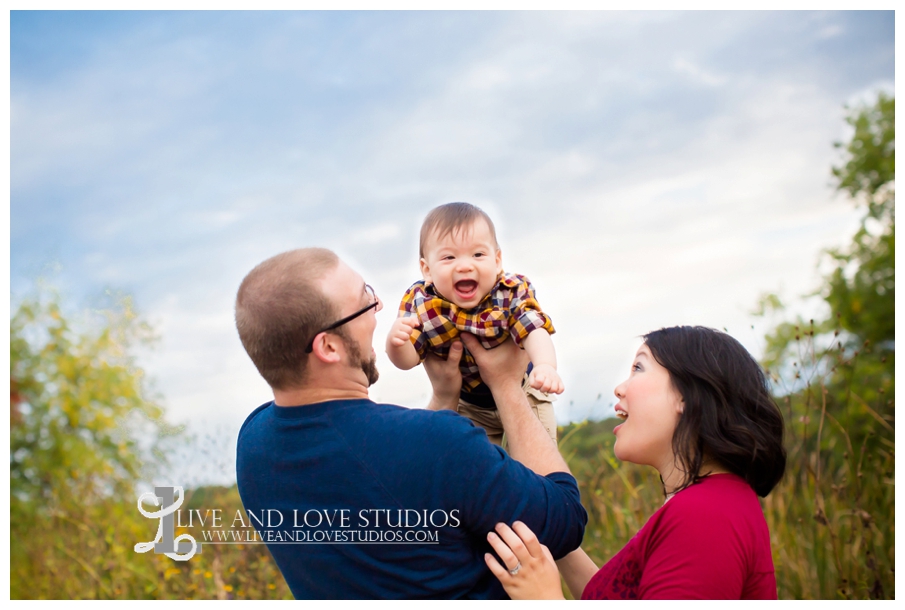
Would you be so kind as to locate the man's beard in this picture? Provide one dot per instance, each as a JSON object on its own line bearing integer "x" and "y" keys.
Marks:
{"x": 369, "y": 366}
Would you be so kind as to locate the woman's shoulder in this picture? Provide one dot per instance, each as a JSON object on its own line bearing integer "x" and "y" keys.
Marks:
{"x": 715, "y": 526}
{"x": 723, "y": 499}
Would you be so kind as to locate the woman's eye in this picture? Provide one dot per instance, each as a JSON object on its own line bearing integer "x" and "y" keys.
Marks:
{"x": 636, "y": 367}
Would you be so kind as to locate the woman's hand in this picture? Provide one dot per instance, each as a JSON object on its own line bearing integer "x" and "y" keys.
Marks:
{"x": 535, "y": 575}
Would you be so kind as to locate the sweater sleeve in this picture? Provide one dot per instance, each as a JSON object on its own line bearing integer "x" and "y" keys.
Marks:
{"x": 492, "y": 488}
{"x": 694, "y": 552}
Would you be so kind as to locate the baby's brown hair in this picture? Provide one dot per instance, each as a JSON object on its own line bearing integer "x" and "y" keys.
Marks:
{"x": 447, "y": 218}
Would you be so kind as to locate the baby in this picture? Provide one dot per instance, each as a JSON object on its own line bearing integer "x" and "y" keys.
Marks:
{"x": 465, "y": 290}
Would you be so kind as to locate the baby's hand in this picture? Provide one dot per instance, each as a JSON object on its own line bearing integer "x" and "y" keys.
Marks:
{"x": 544, "y": 377}
{"x": 401, "y": 331}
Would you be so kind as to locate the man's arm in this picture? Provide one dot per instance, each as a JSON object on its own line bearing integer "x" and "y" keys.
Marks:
{"x": 446, "y": 378}
{"x": 502, "y": 369}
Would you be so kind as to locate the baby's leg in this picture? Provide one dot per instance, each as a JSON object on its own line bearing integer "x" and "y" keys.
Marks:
{"x": 543, "y": 409}
{"x": 542, "y": 405}
{"x": 487, "y": 419}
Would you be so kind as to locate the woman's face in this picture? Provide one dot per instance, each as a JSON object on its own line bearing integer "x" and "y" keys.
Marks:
{"x": 650, "y": 407}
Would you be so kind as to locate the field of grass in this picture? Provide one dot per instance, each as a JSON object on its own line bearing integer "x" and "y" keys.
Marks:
{"x": 831, "y": 523}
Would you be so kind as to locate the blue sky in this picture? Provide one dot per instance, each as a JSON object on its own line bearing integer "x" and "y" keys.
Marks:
{"x": 643, "y": 169}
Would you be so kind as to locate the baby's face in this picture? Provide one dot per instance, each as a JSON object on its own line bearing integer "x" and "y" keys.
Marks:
{"x": 463, "y": 266}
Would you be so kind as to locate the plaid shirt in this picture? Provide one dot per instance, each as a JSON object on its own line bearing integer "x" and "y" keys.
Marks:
{"x": 509, "y": 309}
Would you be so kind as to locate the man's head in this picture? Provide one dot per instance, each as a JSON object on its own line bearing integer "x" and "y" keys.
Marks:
{"x": 284, "y": 304}
{"x": 460, "y": 255}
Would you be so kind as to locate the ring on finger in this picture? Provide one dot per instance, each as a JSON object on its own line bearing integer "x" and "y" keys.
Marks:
{"x": 515, "y": 570}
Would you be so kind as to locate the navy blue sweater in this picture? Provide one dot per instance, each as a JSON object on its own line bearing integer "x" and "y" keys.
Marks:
{"x": 346, "y": 475}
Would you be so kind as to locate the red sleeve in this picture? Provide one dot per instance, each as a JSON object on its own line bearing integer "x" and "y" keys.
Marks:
{"x": 694, "y": 552}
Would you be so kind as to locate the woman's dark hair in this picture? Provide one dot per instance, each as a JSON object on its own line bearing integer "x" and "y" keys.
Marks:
{"x": 729, "y": 416}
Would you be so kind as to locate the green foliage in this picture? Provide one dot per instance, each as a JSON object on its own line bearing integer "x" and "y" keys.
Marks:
{"x": 832, "y": 518}
{"x": 78, "y": 404}
{"x": 83, "y": 434}
{"x": 836, "y": 380}
{"x": 859, "y": 291}
{"x": 870, "y": 170}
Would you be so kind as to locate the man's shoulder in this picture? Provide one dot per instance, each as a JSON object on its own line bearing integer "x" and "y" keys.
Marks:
{"x": 425, "y": 421}
{"x": 422, "y": 435}
{"x": 253, "y": 415}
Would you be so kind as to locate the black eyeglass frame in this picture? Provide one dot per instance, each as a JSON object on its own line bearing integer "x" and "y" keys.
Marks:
{"x": 347, "y": 319}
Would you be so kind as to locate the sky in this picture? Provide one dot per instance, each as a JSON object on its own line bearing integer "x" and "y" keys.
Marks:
{"x": 643, "y": 169}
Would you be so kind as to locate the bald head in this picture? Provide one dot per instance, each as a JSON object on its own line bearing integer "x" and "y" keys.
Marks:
{"x": 279, "y": 307}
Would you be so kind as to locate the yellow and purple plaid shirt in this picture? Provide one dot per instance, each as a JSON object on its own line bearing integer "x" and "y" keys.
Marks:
{"x": 510, "y": 309}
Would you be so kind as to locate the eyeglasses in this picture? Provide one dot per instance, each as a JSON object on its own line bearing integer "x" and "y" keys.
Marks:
{"x": 372, "y": 296}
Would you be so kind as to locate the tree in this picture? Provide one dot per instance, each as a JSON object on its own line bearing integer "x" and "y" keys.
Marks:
{"x": 83, "y": 433}
{"x": 81, "y": 422}
{"x": 861, "y": 289}
{"x": 859, "y": 331}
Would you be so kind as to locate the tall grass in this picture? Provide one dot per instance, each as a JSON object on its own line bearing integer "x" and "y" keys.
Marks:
{"x": 85, "y": 550}
{"x": 831, "y": 518}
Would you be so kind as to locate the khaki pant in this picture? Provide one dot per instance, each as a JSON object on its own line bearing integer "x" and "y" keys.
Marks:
{"x": 490, "y": 420}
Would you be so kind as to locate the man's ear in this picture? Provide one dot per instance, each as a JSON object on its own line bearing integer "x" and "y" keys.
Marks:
{"x": 426, "y": 272}
{"x": 327, "y": 348}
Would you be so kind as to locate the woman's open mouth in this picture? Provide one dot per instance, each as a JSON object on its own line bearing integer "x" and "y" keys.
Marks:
{"x": 621, "y": 414}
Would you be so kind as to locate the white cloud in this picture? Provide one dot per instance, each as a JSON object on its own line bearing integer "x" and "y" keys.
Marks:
{"x": 697, "y": 73}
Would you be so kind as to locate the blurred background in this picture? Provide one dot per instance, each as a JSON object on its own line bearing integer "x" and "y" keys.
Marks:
{"x": 644, "y": 169}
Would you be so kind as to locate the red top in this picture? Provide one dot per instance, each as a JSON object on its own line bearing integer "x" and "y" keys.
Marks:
{"x": 710, "y": 541}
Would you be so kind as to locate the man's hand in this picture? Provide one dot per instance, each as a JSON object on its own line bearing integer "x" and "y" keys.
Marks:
{"x": 503, "y": 364}
{"x": 503, "y": 368}
{"x": 446, "y": 379}
{"x": 544, "y": 377}
{"x": 401, "y": 331}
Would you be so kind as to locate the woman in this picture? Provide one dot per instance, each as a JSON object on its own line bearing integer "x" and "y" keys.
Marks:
{"x": 696, "y": 407}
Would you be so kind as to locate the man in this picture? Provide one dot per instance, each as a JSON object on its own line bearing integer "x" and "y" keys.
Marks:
{"x": 363, "y": 500}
